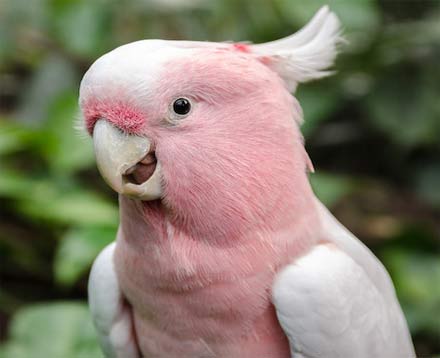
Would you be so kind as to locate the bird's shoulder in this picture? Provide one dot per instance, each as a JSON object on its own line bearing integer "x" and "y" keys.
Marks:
{"x": 337, "y": 301}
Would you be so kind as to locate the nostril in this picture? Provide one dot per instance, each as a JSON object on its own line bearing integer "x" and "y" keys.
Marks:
{"x": 141, "y": 171}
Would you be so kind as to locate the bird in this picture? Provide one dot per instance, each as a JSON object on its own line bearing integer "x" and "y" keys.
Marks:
{"x": 223, "y": 249}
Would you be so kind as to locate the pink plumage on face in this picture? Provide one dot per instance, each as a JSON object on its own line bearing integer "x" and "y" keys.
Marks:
{"x": 233, "y": 158}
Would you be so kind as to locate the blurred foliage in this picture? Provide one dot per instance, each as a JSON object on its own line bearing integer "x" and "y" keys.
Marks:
{"x": 372, "y": 130}
{"x": 52, "y": 330}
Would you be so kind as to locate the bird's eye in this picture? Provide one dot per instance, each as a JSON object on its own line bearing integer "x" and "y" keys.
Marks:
{"x": 181, "y": 106}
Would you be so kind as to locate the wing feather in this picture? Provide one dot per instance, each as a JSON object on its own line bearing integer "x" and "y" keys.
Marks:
{"x": 328, "y": 307}
{"x": 111, "y": 314}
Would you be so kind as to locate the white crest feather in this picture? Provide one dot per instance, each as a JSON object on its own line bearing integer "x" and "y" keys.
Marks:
{"x": 307, "y": 54}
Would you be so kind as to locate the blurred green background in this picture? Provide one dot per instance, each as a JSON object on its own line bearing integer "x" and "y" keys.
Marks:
{"x": 372, "y": 130}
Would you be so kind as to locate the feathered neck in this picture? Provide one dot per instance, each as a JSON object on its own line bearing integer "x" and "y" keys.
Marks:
{"x": 146, "y": 222}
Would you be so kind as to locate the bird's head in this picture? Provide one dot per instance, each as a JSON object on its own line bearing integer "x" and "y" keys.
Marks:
{"x": 210, "y": 129}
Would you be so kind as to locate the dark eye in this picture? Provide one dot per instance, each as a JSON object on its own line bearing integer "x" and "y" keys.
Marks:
{"x": 181, "y": 106}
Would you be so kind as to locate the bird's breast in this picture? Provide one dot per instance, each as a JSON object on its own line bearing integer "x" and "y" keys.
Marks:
{"x": 200, "y": 309}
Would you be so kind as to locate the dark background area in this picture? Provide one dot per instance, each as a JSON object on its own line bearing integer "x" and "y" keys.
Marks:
{"x": 372, "y": 131}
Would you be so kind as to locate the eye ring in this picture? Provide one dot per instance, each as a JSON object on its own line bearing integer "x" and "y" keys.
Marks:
{"x": 181, "y": 107}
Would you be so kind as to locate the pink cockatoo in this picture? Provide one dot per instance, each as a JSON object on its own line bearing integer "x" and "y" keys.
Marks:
{"x": 223, "y": 250}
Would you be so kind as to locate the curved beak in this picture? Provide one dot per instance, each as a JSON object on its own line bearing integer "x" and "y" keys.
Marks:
{"x": 119, "y": 155}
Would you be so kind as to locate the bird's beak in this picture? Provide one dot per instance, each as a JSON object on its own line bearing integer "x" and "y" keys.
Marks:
{"x": 127, "y": 162}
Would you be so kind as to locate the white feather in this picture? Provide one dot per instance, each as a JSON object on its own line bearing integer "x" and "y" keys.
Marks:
{"x": 307, "y": 54}
{"x": 338, "y": 301}
{"x": 111, "y": 314}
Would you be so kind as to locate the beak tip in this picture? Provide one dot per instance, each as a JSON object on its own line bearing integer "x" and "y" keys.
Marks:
{"x": 115, "y": 153}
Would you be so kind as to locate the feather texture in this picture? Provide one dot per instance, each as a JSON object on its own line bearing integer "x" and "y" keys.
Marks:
{"x": 111, "y": 314}
{"x": 307, "y": 54}
{"x": 329, "y": 307}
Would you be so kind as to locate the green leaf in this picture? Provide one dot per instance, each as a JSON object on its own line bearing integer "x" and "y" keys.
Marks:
{"x": 14, "y": 184}
{"x": 14, "y": 137}
{"x": 416, "y": 277}
{"x": 56, "y": 330}
{"x": 406, "y": 108}
{"x": 19, "y": 18}
{"x": 66, "y": 150}
{"x": 331, "y": 188}
{"x": 77, "y": 250}
{"x": 318, "y": 101}
{"x": 54, "y": 75}
{"x": 74, "y": 206}
{"x": 401, "y": 41}
{"x": 427, "y": 184}
{"x": 83, "y": 27}
{"x": 56, "y": 201}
